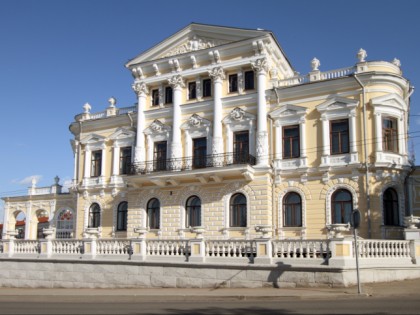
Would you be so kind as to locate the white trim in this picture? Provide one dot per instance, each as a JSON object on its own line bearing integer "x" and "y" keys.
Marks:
{"x": 329, "y": 194}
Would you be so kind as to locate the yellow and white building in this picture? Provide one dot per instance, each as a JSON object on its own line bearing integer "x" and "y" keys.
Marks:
{"x": 227, "y": 140}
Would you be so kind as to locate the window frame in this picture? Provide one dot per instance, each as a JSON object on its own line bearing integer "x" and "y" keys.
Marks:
{"x": 207, "y": 87}
{"x": 169, "y": 95}
{"x": 125, "y": 160}
{"x": 96, "y": 163}
{"x": 192, "y": 90}
{"x": 189, "y": 209}
{"x": 238, "y": 213}
{"x": 233, "y": 87}
{"x": 291, "y": 141}
{"x": 294, "y": 210}
{"x": 155, "y": 97}
{"x": 122, "y": 214}
{"x": 391, "y": 216}
{"x": 94, "y": 217}
{"x": 392, "y": 139}
{"x": 341, "y": 135}
{"x": 249, "y": 84}
{"x": 153, "y": 214}
{"x": 334, "y": 202}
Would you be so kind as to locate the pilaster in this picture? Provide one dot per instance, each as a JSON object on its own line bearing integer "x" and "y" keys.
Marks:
{"x": 142, "y": 91}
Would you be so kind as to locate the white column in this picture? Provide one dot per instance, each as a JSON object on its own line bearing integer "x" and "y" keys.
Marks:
{"x": 177, "y": 84}
{"x": 279, "y": 143}
{"x": 352, "y": 127}
{"x": 116, "y": 160}
{"x": 261, "y": 67}
{"x": 378, "y": 129}
{"x": 5, "y": 221}
{"x": 218, "y": 75}
{"x": 302, "y": 136}
{"x": 401, "y": 137}
{"x": 142, "y": 92}
{"x": 76, "y": 161}
{"x": 88, "y": 154}
{"x": 325, "y": 140}
{"x": 28, "y": 221}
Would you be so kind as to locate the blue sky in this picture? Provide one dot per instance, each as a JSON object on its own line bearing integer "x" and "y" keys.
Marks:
{"x": 57, "y": 55}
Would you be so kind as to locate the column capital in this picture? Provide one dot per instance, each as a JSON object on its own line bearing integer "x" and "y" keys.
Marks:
{"x": 217, "y": 74}
{"x": 140, "y": 89}
{"x": 176, "y": 82}
{"x": 260, "y": 65}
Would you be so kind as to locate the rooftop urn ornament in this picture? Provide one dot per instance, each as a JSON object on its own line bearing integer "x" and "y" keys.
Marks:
{"x": 112, "y": 101}
{"x": 396, "y": 62}
{"x": 33, "y": 181}
{"x": 56, "y": 180}
{"x": 87, "y": 108}
{"x": 361, "y": 55}
{"x": 315, "y": 63}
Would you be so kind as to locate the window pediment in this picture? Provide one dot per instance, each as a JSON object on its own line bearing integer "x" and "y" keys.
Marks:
{"x": 196, "y": 122}
{"x": 337, "y": 106}
{"x": 157, "y": 127}
{"x": 123, "y": 136}
{"x": 94, "y": 142}
{"x": 288, "y": 114}
{"x": 388, "y": 103}
{"x": 238, "y": 115}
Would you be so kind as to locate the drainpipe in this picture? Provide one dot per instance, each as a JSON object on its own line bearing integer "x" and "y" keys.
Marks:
{"x": 367, "y": 186}
{"x": 407, "y": 184}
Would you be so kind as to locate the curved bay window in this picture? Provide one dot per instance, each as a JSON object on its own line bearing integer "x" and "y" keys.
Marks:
{"x": 238, "y": 210}
{"x": 94, "y": 216}
{"x": 391, "y": 213}
{"x": 153, "y": 214}
{"x": 193, "y": 211}
{"x": 122, "y": 216}
{"x": 342, "y": 206}
{"x": 292, "y": 209}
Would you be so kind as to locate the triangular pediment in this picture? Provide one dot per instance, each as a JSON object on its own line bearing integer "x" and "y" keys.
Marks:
{"x": 288, "y": 110}
{"x": 390, "y": 100}
{"x": 238, "y": 115}
{"x": 196, "y": 122}
{"x": 122, "y": 133}
{"x": 337, "y": 103}
{"x": 157, "y": 127}
{"x": 195, "y": 37}
{"x": 93, "y": 139}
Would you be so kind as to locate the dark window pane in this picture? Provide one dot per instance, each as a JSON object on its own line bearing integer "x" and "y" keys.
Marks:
{"x": 193, "y": 211}
{"x": 155, "y": 97}
{"x": 199, "y": 152}
{"x": 339, "y": 136}
{"x": 390, "y": 135}
{"x": 292, "y": 207}
{"x": 342, "y": 206}
{"x": 168, "y": 95}
{"x": 153, "y": 213}
{"x": 241, "y": 146}
{"x": 192, "y": 90}
{"x": 206, "y": 87}
{"x": 96, "y": 163}
{"x": 125, "y": 160}
{"x": 391, "y": 209}
{"x": 291, "y": 139}
{"x": 94, "y": 216}
{"x": 238, "y": 215}
{"x": 233, "y": 83}
{"x": 122, "y": 216}
{"x": 249, "y": 80}
{"x": 160, "y": 156}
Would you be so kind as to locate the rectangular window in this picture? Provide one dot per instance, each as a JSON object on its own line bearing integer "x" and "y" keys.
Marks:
{"x": 125, "y": 160}
{"x": 155, "y": 97}
{"x": 159, "y": 157}
{"x": 233, "y": 83}
{"x": 96, "y": 164}
{"x": 339, "y": 136}
{"x": 241, "y": 147}
{"x": 390, "y": 134}
{"x": 192, "y": 90}
{"x": 249, "y": 80}
{"x": 168, "y": 95}
{"x": 291, "y": 139}
{"x": 199, "y": 152}
{"x": 206, "y": 87}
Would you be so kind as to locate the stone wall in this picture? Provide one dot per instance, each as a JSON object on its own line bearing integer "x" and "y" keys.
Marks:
{"x": 110, "y": 274}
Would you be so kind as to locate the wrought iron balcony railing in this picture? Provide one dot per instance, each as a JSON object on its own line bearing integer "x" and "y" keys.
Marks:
{"x": 191, "y": 163}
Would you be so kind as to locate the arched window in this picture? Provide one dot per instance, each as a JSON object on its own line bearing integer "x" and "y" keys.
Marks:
{"x": 391, "y": 213}
{"x": 341, "y": 206}
{"x": 238, "y": 210}
{"x": 94, "y": 216}
{"x": 193, "y": 211}
{"x": 153, "y": 214}
{"x": 292, "y": 209}
{"x": 122, "y": 216}
{"x": 64, "y": 224}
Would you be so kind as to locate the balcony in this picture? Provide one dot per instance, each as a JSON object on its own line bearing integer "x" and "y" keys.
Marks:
{"x": 204, "y": 168}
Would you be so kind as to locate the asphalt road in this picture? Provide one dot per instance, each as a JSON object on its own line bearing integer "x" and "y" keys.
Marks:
{"x": 96, "y": 305}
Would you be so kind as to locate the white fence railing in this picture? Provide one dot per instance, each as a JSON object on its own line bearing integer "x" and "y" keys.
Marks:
{"x": 312, "y": 252}
{"x": 384, "y": 249}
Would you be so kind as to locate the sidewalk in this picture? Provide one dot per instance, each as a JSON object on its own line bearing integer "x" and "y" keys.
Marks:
{"x": 408, "y": 287}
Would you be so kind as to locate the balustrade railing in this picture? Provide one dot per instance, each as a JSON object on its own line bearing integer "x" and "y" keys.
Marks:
{"x": 231, "y": 248}
{"x": 384, "y": 249}
{"x": 26, "y": 247}
{"x": 190, "y": 163}
{"x": 167, "y": 248}
{"x": 67, "y": 247}
{"x": 113, "y": 247}
{"x": 125, "y": 110}
{"x": 301, "y": 249}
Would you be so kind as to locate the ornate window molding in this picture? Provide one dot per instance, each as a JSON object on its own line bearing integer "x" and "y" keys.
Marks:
{"x": 94, "y": 142}
{"x": 282, "y": 228}
{"x": 240, "y": 120}
{"x": 289, "y": 115}
{"x": 334, "y": 109}
{"x": 196, "y": 127}
{"x": 121, "y": 138}
{"x": 401, "y": 201}
{"x": 157, "y": 131}
{"x": 392, "y": 106}
{"x": 183, "y": 209}
{"x": 227, "y": 199}
{"x": 329, "y": 194}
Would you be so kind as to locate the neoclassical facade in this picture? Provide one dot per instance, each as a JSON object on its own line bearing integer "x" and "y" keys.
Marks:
{"x": 226, "y": 137}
